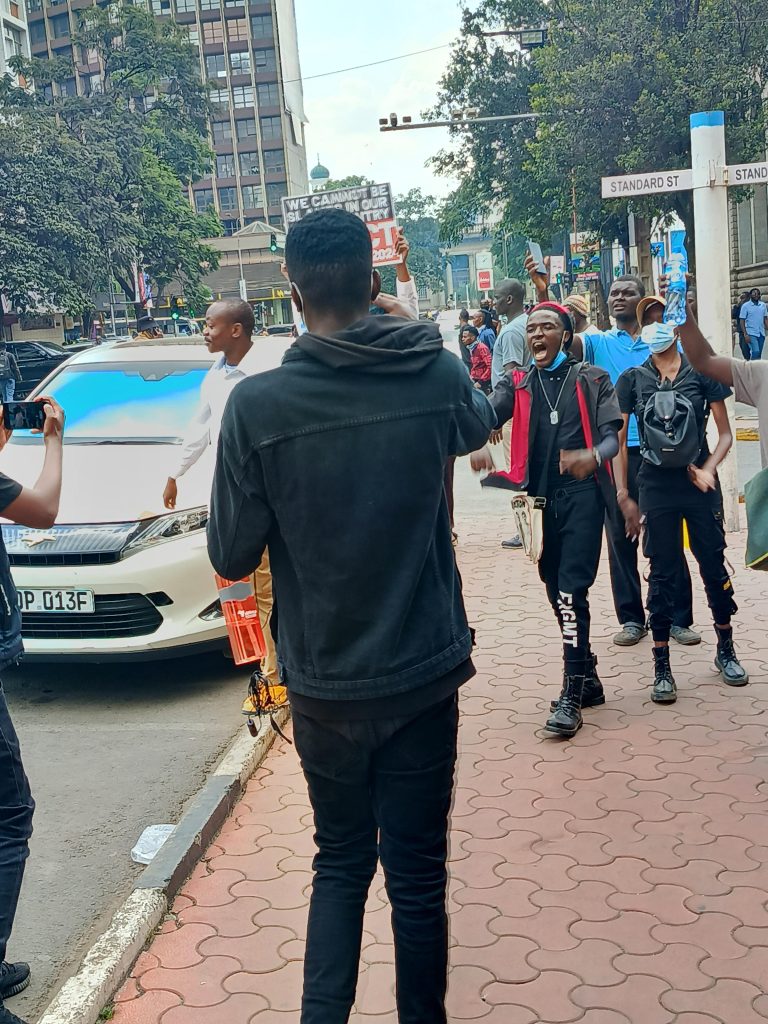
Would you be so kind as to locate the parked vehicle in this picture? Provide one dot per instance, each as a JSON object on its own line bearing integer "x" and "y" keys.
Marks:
{"x": 37, "y": 359}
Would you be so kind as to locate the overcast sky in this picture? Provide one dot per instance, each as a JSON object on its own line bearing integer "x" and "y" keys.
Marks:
{"x": 344, "y": 109}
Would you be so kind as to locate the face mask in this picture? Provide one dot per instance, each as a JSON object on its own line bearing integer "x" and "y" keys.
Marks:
{"x": 658, "y": 337}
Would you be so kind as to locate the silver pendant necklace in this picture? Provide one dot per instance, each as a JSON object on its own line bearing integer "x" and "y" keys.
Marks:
{"x": 554, "y": 415}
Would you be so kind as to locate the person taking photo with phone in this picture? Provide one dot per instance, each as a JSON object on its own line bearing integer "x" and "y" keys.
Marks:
{"x": 36, "y": 507}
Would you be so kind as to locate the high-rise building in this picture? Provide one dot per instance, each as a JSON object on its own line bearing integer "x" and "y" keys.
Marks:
{"x": 249, "y": 54}
{"x": 14, "y": 36}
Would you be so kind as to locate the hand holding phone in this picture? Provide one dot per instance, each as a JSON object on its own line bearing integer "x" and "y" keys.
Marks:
{"x": 535, "y": 250}
{"x": 24, "y": 415}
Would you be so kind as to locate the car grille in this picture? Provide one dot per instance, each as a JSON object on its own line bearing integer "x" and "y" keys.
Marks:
{"x": 116, "y": 615}
{"x": 67, "y": 544}
{"x": 88, "y": 558}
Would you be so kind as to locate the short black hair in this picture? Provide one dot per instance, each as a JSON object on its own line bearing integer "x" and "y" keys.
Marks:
{"x": 635, "y": 280}
{"x": 464, "y": 314}
{"x": 470, "y": 329}
{"x": 512, "y": 287}
{"x": 329, "y": 257}
{"x": 239, "y": 312}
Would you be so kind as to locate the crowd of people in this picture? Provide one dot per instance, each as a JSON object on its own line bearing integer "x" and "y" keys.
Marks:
{"x": 333, "y": 487}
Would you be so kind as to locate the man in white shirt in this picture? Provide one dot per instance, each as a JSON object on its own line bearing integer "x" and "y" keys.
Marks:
{"x": 229, "y": 325}
{"x": 753, "y": 321}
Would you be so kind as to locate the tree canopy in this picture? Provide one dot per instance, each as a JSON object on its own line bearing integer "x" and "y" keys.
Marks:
{"x": 614, "y": 87}
{"x": 91, "y": 183}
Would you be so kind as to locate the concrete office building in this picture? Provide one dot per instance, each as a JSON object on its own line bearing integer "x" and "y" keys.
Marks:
{"x": 249, "y": 54}
{"x": 14, "y": 35}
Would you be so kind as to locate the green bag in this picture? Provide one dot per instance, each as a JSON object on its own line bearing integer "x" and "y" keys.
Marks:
{"x": 756, "y": 500}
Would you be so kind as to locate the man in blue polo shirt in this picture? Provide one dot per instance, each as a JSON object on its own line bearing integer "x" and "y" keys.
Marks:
{"x": 753, "y": 322}
{"x": 615, "y": 351}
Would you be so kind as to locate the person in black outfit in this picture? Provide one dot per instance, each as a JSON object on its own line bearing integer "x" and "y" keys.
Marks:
{"x": 744, "y": 345}
{"x": 670, "y": 495}
{"x": 466, "y": 358}
{"x": 335, "y": 461}
{"x": 36, "y": 507}
{"x": 565, "y": 423}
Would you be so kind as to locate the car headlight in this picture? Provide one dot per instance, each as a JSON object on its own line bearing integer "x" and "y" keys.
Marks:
{"x": 164, "y": 528}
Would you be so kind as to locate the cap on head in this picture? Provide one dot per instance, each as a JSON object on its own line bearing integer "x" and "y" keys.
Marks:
{"x": 645, "y": 303}
{"x": 147, "y": 323}
{"x": 577, "y": 304}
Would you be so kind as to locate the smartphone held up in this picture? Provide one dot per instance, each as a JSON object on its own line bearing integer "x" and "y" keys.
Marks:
{"x": 23, "y": 415}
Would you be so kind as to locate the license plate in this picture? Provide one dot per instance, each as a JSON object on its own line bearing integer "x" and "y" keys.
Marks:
{"x": 57, "y": 601}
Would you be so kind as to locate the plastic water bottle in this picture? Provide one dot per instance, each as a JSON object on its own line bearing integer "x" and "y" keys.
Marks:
{"x": 676, "y": 269}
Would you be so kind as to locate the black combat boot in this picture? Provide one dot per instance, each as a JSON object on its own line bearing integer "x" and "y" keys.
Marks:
{"x": 593, "y": 695}
{"x": 726, "y": 662}
{"x": 664, "y": 686}
{"x": 566, "y": 719}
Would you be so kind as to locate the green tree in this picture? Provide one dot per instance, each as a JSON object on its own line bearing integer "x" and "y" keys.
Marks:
{"x": 131, "y": 147}
{"x": 614, "y": 88}
{"x": 351, "y": 181}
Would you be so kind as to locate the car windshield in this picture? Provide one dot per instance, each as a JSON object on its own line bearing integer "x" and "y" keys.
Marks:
{"x": 124, "y": 403}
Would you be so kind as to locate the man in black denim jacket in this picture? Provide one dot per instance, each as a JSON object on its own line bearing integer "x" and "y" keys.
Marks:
{"x": 335, "y": 460}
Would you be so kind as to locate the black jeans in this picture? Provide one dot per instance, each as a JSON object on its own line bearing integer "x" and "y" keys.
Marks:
{"x": 16, "y": 810}
{"x": 622, "y": 559}
{"x": 379, "y": 789}
{"x": 707, "y": 539}
{"x": 573, "y": 536}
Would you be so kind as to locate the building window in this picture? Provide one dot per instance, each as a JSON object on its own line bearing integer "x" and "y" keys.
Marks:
{"x": 34, "y": 5}
{"x": 68, "y": 88}
{"x": 237, "y": 30}
{"x": 94, "y": 85}
{"x": 193, "y": 34}
{"x": 271, "y": 128}
{"x": 230, "y": 227}
{"x": 246, "y": 128}
{"x": 269, "y": 94}
{"x": 228, "y": 198}
{"x": 274, "y": 161}
{"x": 161, "y": 6}
{"x": 37, "y": 32}
{"x": 186, "y": 6}
{"x": 213, "y": 32}
{"x": 242, "y": 96}
{"x": 210, "y": 5}
{"x": 276, "y": 219}
{"x": 253, "y": 197}
{"x": 249, "y": 165}
{"x": 222, "y": 131}
{"x": 234, "y": 3}
{"x": 261, "y": 26}
{"x": 59, "y": 26}
{"x": 240, "y": 62}
{"x": 225, "y": 165}
{"x": 220, "y": 98}
{"x": 275, "y": 192}
{"x": 264, "y": 60}
{"x": 216, "y": 65}
{"x": 203, "y": 199}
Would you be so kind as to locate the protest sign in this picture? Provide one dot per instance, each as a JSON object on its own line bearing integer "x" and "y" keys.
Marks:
{"x": 371, "y": 203}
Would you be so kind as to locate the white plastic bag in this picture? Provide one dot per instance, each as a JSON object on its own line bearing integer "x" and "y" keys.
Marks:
{"x": 150, "y": 841}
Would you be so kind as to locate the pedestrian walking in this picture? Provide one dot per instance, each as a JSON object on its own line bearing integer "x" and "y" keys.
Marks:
{"x": 616, "y": 350}
{"x": 746, "y": 349}
{"x": 228, "y": 330}
{"x": 36, "y": 507}
{"x": 565, "y": 423}
{"x": 480, "y": 359}
{"x": 678, "y": 481}
{"x": 485, "y": 332}
{"x": 10, "y": 374}
{"x": 336, "y": 461}
{"x": 753, "y": 320}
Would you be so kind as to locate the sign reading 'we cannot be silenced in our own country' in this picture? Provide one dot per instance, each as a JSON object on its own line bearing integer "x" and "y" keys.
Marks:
{"x": 371, "y": 203}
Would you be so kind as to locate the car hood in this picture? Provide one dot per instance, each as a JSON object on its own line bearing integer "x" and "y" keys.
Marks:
{"x": 113, "y": 483}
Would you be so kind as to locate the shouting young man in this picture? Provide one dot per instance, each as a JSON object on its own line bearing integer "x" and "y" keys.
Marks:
{"x": 335, "y": 461}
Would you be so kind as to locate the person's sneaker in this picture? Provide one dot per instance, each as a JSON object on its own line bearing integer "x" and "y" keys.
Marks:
{"x": 664, "y": 687}
{"x": 729, "y": 666}
{"x": 513, "y": 542}
{"x": 631, "y": 633}
{"x": 685, "y": 636}
{"x": 14, "y": 978}
{"x": 6, "y": 1017}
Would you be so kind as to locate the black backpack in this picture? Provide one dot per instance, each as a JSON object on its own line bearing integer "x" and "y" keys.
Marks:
{"x": 669, "y": 431}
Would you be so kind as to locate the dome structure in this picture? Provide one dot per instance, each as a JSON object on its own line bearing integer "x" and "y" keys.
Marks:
{"x": 319, "y": 174}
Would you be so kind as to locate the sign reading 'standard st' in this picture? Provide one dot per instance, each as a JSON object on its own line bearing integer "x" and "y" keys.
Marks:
{"x": 371, "y": 203}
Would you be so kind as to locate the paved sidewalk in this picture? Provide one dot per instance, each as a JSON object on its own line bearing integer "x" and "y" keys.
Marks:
{"x": 619, "y": 878}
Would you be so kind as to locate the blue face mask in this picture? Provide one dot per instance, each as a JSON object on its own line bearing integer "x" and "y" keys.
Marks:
{"x": 557, "y": 361}
{"x": 658, "y": 337}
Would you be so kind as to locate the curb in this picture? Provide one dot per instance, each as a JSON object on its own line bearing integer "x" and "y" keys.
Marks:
{"x": 109, "y": 960}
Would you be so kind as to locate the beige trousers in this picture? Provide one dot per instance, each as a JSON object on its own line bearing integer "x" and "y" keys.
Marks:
{"x": 262, "y": 585}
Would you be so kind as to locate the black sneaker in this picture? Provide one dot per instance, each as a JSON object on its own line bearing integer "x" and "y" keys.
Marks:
{"x": 729, "y": 666}
{"x": 513, "y": 542}
{"x": 6, "y": 1017}
{"x": 14, "y": 978}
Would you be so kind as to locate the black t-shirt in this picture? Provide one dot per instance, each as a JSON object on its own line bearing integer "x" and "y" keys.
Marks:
{"x": 570, "y": 433}
{"x": 664, "y": 487}
{"x": 9, "y": 492}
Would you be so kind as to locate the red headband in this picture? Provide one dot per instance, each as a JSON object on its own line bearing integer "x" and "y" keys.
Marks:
{"x": 552, "y": 305}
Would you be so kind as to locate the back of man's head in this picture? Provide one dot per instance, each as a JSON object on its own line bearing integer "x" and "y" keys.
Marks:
{"x": 237, "y": 312}
{"x": 330, "y": 261}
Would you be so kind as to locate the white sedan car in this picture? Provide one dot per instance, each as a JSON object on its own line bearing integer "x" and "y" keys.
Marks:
{"x": 119, "y": 576}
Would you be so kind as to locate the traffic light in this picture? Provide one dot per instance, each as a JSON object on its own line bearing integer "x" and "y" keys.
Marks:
{"x": 180, "y": 301}
{"x": 175, "y": 315}
{"x": 273, "y": 242}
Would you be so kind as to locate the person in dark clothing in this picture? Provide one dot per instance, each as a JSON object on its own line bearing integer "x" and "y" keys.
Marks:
{"x": 336, "y": 461}
{"x": 565, "y": 423}
{"x": 746, "y": 348}
{"x": 464, "y": 323}
{"x": 36, "y": 507}
{"x": 480, "y": 365}
{"x": 671, "y": 494}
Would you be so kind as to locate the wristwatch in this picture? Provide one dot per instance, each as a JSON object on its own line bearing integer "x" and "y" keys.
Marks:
{"x": 597, "y": 457}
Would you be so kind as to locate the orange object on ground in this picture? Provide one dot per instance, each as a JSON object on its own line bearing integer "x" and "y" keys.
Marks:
{"x": 241, "y": 614}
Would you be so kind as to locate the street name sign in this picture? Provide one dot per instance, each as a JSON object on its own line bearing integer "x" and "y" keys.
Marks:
{"x": 747, "y": 174}
{"x": 623, "y": 185}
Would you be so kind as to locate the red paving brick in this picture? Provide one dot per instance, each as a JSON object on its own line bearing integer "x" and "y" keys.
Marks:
{"x": 620, "y": 878}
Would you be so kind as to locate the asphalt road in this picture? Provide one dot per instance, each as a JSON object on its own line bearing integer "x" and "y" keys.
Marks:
{"x": 109, "y": 750}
